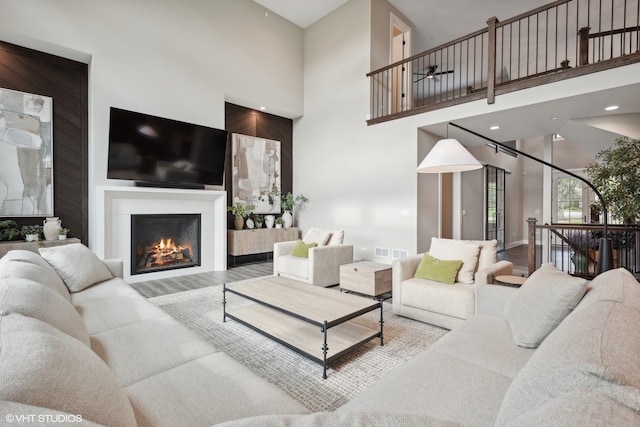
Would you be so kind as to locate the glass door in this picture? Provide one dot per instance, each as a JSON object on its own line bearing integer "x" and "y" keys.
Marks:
{"x": 495, "y": 205}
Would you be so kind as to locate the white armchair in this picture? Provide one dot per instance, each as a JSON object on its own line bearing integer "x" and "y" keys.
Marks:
{"x": 439, "y": 303}
{"x": 322, "y": 267}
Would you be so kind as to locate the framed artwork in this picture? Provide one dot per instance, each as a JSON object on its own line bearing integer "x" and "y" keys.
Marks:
{"x": 26, "y": 154}
{"x": 255, "y": 172}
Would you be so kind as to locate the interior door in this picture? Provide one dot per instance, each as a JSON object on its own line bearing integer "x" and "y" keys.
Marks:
{"x": 495, "y": 205}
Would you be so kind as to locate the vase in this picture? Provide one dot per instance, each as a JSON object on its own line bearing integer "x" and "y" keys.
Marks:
{"x": 287, "y": 219}
{"x": 62, "y": 237}
{"x": 51, "y": 228}
{"x": 268, "y": 220}
{"x": 238, "y": 222}
{"x": 32, "y": 237}
{"x": 250, "y": 223}
{"x": 580, "y": 263}
{"x": 278, "y": 225}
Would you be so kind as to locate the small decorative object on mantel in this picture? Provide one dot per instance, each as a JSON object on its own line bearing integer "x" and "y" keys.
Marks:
{"x": 31, "y": 233}
{"x": 279, "y": 222}
{"x": 269, "y": 220}
{"x": 290, "y": 204}
{"x": 250, "y": 223}
{"x": 51, "y": 228}
{"x": 240, "y": 211}
{"x": 63, "y": 233}
{"x": 258, "y": 220}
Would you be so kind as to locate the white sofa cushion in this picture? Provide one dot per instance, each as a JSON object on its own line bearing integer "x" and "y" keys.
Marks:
{"x": 35, "y": 300}
{"x": 35, "y": 271}
{"x": 457, "y": 301}
{"x": 593, "y": 351}
{"x": 317, "y": 236}
{"x": 541, "y": 303}
{"x": 293, "y": 266}
{"x": 337, "y": 237}
{"x": 78, "y": 266}
{"x": 449, "y": 249}
{"x": 488, "y": 253}
{"x": 42, "y": 366}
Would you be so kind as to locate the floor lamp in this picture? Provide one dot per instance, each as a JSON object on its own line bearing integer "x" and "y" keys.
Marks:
{"x": 448, "y": 155}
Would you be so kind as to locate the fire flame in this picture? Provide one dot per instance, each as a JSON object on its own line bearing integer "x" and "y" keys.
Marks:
{"x": 166, "y": 251}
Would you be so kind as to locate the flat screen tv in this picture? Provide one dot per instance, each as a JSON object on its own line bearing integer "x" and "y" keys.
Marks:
{"x": 154, "y": 151}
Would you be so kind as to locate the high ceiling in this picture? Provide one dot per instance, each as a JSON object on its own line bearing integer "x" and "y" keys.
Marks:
{"x": 580, "y": 118}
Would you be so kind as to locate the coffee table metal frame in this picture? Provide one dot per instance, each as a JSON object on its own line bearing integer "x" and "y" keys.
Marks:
{"x": 357, "y": 333}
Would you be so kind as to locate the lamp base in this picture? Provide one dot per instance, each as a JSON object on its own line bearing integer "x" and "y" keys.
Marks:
{"x": 605, "y": 256}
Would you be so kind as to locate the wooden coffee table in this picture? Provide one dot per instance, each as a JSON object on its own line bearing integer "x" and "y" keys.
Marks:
{"x": 311, "y": 320}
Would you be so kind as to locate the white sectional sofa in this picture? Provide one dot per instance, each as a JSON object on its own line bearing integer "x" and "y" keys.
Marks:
{"x": 77, "y": 341}
{"x": 584, "y": 372}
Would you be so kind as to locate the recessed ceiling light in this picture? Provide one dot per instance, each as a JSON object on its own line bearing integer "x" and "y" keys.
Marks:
{"x": 611, "y": 108}
{"x": 494, "y": 127}
{"x": 263, "y": 108}
{"x": 554, "y": 118}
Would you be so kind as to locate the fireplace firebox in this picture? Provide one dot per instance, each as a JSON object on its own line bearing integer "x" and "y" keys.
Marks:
{"x": 164, "y": 242}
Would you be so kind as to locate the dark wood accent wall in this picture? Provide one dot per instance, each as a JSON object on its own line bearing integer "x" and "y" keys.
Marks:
{"x": 66, "y": 81}
{"x": 262, "y": 125}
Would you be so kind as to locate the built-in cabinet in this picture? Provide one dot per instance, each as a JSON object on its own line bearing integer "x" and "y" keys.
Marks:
{"x": 259, "y": 240}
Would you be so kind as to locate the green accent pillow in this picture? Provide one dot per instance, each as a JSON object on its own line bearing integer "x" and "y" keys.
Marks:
{"x": 444, "y": 271}
{"x": 301, "y": 248}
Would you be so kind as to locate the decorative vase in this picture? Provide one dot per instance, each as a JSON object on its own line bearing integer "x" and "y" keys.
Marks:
{"x": 250, "y": 224}
{"x": 51, "y": 228}
{"x": 238, "y": 222}
{"x": 580, "y": 263}
{"x": 278, "y": 225}
{"x": 268, "y": 220}
{"x": 287, "y": 219}
{"x": 62, "y": 237}
{"x": 32, "y": 237}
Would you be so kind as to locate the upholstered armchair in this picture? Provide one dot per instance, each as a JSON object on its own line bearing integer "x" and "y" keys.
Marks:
{"x": 443, "y": 304}
{"x": 321, "y": 265}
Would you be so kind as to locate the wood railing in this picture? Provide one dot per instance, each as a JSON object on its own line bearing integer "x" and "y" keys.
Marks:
{"x": 574, "y": 247}
{"x": 564, "y": 39}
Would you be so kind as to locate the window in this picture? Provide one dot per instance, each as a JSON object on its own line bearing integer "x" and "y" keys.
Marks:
{"x": 569, "y": 206}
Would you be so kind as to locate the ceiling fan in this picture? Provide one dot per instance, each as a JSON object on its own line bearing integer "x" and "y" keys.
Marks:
{"x": 431, "y": 74}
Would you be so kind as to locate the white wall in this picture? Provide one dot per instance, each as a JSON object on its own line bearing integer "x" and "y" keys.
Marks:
{"x": 176, "y": 59}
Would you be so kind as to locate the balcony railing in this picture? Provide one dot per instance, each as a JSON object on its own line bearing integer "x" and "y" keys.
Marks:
{"x": 574, "y": 248}
{"x": 564, "y": 39}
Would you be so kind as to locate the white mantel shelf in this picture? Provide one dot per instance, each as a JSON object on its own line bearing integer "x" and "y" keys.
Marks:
{"x": 116, "y": 204}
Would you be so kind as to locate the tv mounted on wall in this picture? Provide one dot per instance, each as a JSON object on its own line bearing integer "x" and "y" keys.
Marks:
{"x": 159, "y": 152}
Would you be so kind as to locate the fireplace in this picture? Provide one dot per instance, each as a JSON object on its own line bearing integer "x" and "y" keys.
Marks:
{"x": 164, "y": 242}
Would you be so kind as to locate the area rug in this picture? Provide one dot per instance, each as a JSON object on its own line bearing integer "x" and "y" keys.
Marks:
{"x": 200, "y": 310}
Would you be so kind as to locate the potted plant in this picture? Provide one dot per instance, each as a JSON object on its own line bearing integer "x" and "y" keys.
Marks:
{"x": 62, "y": 233}
{"x": 289, "y": 202}
{"x": 31, "y": 233}
{"x": 278, "y": 222}
{"x": 9, "y": 230}
{"x": 617, "y": 178}
{"x": 584, "y": 246}
{"x": 240, "y": 211}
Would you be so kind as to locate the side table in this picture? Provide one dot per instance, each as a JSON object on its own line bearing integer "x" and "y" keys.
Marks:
{"x": 509, "y": 280}
{"x": 366, "y": 277}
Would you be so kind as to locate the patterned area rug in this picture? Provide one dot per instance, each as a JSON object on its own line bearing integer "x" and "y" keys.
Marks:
{"x": 201, "y": 311}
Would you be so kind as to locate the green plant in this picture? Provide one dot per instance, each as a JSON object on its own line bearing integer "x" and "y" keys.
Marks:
{"x": 9, "y": 230}
{"x": 63, "y": 231}
{"x": 289, "y": 201}
{"x": 31, "y": 229}
{"x": 240, "y": 210}
{"x": 617, "y": 178}
{"x": 257, "y": 219}
{"x": 278, "y": 220}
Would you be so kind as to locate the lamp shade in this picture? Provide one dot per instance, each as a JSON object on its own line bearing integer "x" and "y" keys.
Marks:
{"x": 448, "y": 155}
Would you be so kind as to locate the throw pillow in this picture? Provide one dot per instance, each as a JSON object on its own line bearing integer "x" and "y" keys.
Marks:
{"x": 449, "y": 249}
{"x": 320, "y": 237}
{"x": 444, "y": 271}
{"x": 78, "y": 266}
{"x": 541, "y": 303}
{"x": 337, "y": 237}
{"x": 301, "y": 249}
{"x": 32, "y": 299}
{"x": 488, "y": 253}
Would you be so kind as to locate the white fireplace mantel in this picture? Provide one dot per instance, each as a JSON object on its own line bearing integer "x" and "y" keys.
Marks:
{"x": 116, "y": 204}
